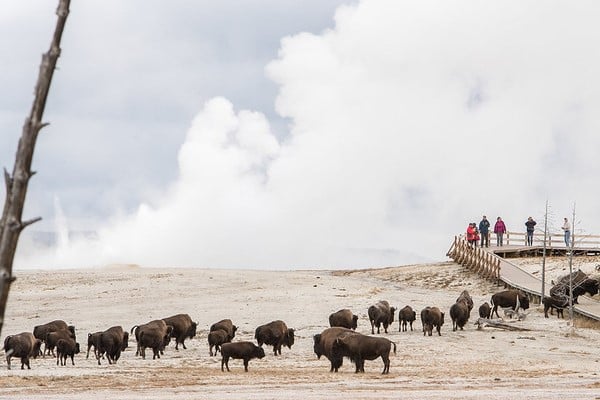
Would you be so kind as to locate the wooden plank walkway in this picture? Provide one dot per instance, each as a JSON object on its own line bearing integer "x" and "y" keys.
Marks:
{"x": 497, "y": 259}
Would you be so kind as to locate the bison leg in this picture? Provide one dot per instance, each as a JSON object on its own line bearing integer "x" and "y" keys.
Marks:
{"x": 373, "y": 327}
{"x": 183, "y": 344}
{"x": 225, "y": 361}
{"x": 386, "y": 364}
{"x": 246, "y": 364}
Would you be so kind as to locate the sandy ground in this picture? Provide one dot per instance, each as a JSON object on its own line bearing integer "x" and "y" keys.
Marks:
{"x": 552, "y": 360}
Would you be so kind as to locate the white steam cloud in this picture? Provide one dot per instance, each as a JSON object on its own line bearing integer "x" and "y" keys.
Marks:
{"x": 408, "y": 120}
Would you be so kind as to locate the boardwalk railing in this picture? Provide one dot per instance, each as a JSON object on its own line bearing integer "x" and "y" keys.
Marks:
{"x": 553, "y": 240}
{"x": 476, "y": 259}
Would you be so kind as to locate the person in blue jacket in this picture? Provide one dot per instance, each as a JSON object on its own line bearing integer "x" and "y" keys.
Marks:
{"x": 484, "y": 230}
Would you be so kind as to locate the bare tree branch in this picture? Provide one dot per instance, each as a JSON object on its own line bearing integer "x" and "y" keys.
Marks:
{"x": 16, "y": 185}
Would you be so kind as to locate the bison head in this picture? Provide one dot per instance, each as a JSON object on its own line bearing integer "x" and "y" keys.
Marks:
{"x": 289, "y": 338}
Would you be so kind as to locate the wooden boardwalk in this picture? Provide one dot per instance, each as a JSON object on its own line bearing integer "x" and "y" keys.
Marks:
{"x": 494, "y": 263}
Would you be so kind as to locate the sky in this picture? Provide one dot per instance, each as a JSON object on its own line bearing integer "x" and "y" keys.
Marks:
{"x": 300, "y": 134}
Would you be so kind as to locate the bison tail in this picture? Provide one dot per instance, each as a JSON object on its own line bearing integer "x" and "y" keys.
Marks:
{"x": 132, "y": 329}
{"x": 6, "y": 340}
{"x": 394, "y": 347}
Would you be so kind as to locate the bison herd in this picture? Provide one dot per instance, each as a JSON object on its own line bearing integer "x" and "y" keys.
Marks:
{"x": 337, "y": 342}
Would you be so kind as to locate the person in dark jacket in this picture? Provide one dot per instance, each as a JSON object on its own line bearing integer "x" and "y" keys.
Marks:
{"x": 530, "y": 224}
{"x": 484, "y": 231}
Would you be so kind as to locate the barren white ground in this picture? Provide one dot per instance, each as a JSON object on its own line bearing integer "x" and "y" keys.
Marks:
{"x": 553, "y": 360}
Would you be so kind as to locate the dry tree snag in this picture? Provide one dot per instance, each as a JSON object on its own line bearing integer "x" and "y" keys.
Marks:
{"x": 11, "y": 224}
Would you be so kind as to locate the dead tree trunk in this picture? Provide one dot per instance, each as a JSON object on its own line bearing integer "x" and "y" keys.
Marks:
{"x": 11, "y": 224}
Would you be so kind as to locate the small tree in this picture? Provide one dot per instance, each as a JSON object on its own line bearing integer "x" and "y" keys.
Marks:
{"x": 11, "y": 223}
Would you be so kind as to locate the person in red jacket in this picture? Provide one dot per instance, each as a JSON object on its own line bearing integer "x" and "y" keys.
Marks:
{"x": 499, "y": 230}
{"x": 472, "y": 234}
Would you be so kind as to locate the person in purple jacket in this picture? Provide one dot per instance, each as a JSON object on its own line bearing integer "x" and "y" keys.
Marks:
{"x": 499, "y": 230}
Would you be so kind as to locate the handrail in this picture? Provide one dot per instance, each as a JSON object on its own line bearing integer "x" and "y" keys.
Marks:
{"x": 478, "y": 260}
{"x": 553, "y": 239}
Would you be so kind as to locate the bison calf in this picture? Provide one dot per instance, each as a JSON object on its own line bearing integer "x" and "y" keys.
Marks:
{"x": 557, "y": 304}
{"x": 216, "y": 339}
{"x": 484, "y": 310}
{"x": 240, "y": 350}
{"x": 66, "y": 348}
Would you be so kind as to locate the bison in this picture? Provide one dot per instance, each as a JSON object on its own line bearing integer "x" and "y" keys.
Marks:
{"x": 558, "y": 304}
{"x": 154, "y": 334}
{"x": 432, "y": 317}
{"x": 52, "y": 339}
{"x": 484, "y": 310}
{"x": 216, "y": 339}
{"x": 183, "y": 328}
{"x": 580, "y": 287}
{"x": 324, "y": 341}
{"x": 112, "y": 342}
{"x": 459, "y": 313}
{"x": 466, "y": 297}
{"x": 66, "y": 348}
{"x": 276, "y": 334}
{"x": 23, "y": 345}
{"x": 509, "y": 298}
{"x": 40, "y": 331}
{"x": 406, "y": 316}
{"x": 343, "y": 318}
{"x": 240, "y": 350}
{"x": 381, "y": 314}
{"x": 227, "y": 326}
{"x": 359, "y": 347}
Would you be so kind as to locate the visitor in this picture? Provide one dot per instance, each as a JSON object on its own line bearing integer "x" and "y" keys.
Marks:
{"x": 499, "y": 230}
{"x": 530, "y": 224}
{"x": 484, "y": 230}
{"x": 567, "y": 228}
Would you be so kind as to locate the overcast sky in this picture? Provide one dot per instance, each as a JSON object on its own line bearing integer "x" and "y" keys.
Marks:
{"x": 301, "y": 134}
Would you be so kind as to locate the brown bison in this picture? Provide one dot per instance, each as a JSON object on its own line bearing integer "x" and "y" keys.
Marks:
{"x": 484, "y": 310}
{"x": 66, "y": 348}
{"x": 381, "y": 314}
{"x": 183, "y": 328}
{"x": 358, "y": 348}
{"x": 343, "y": 318}
{"x": 52, "y": 339}
{"x": 581, "y": 286}
{"x": 276, "y": 334}
{"x": 40, "y": 331}
{"x": 459, "y": 313}
{"x": 406, "y": 316}
{"x": 240, "y": 350}
{"x": 23, "y": 345}
{"x": 514, "y": 299}
{"x": 466, "y": 297}
{"x": 154, "y": 334}
{"x": 558, "y": 304}
{"x": 323, "y": 343}
{"x": 227, "y": 326}
{"x": 216, "y": 339}
{"x": 112, "y": 342}
{"x": 432, "y": 317}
